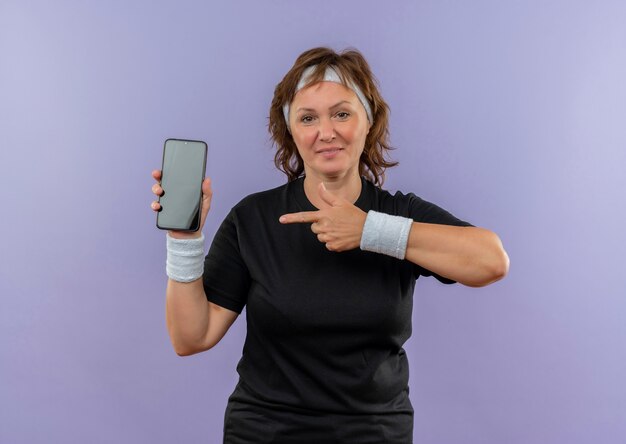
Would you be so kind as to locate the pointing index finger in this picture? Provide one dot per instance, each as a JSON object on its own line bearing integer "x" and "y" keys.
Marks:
{"x": 299, "y": 218}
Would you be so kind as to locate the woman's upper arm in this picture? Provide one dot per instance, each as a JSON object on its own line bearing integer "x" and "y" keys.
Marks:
{"x": 220, "y": 320}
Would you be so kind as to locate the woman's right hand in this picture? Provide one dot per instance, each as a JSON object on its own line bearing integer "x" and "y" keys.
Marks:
{"x": 207, "y": 194}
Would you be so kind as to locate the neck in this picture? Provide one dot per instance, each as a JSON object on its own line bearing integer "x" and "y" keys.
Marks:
{"x": 347, "y": 186}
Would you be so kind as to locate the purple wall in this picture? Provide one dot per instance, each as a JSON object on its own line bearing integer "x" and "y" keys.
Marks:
{"x": 508, "y": 114}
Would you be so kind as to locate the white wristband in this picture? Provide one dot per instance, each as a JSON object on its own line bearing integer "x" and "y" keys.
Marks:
{"x": 185, "y": 258}
{"x": 386, "y": 234}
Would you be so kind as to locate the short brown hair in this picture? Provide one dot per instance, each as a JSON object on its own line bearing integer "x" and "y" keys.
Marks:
{"x": 351, "y": 66}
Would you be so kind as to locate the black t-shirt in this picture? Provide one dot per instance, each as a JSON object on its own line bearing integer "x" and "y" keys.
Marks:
{"x": 324, "y": 329}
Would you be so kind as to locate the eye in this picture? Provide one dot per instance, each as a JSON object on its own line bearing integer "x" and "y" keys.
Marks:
{"x": 342, "y": 115}
{"x": 306, "y": 119}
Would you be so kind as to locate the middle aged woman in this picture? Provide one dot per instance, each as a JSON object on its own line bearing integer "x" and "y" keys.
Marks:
{"x": 326, "y": 267}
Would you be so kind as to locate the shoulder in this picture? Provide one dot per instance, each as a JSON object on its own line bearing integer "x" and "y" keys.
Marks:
{"x": 413, "y": 206}
{"x": 263, "y": 205}
{"x": 261, "y": 198}
{"x": 399, "y": 203}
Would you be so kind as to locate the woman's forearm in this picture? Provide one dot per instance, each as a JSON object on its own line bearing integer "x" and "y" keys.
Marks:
{"x": 470, "y": 255}
{"x": 187, "y": 316}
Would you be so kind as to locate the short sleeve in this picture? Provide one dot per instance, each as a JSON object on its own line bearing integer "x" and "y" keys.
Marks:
{"x": 226, "y": 278}
{"x": 427, "y": 212}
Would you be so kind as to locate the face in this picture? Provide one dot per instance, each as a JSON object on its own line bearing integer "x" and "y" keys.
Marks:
{"x": 329, "y": 126}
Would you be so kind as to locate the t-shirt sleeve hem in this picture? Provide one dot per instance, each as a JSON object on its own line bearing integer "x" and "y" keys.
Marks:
{"x": 444, "y": 280}
{"x": 223, "y": 301}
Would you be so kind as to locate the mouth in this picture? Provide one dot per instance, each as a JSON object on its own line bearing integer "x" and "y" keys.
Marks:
{"x": 329, "y": 150}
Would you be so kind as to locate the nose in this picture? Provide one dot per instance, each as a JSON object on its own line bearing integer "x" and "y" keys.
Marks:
{"x": 326, "y": 130}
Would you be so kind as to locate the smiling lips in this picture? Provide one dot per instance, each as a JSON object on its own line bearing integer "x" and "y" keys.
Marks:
{"x": 331, "y": 150}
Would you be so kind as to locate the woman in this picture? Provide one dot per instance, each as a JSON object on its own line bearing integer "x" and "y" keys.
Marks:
{"x": 325, "y": 265}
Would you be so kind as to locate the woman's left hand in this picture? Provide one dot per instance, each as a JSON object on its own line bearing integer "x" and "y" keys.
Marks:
{"x": 339, "y": 226}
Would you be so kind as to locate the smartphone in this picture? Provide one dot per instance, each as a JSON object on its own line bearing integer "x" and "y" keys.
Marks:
{"x": 182, "y": 173}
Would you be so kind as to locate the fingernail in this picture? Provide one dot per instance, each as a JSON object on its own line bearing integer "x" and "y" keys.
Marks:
{"x": 282, "y": 219}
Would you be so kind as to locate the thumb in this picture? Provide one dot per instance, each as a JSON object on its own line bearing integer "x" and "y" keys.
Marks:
{"x": 207, "y": 190}
{"x": 207, "y": 195}
{"x": 327, "y": 196}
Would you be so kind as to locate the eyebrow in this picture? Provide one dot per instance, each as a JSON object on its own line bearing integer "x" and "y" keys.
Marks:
{"x": 334, "y": 106}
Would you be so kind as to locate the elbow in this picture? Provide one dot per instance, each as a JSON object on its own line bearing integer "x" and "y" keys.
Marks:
{"x": 182, "y": 349}
{"x": 501, "y": 261}
{"x": 498, "y": 269}
{"x": 188, "y": 349}
{"x": 503, "y": 265}
{"x": 495, "y": 268}
{"x": 184, "y": 352}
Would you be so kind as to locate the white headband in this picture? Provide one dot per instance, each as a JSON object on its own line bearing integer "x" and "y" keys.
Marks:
{"x": 329, "y": 76}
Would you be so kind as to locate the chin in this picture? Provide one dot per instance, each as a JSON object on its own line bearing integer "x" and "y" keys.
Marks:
{"x": 333, "y": 173}
{"x": 332, "y": 169}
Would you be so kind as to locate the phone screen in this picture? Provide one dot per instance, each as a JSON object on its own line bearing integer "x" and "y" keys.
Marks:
{"x": 184, "y": 162}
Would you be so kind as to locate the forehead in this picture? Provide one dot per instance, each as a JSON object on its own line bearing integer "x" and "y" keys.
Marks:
{"x": 322, "y": 92}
